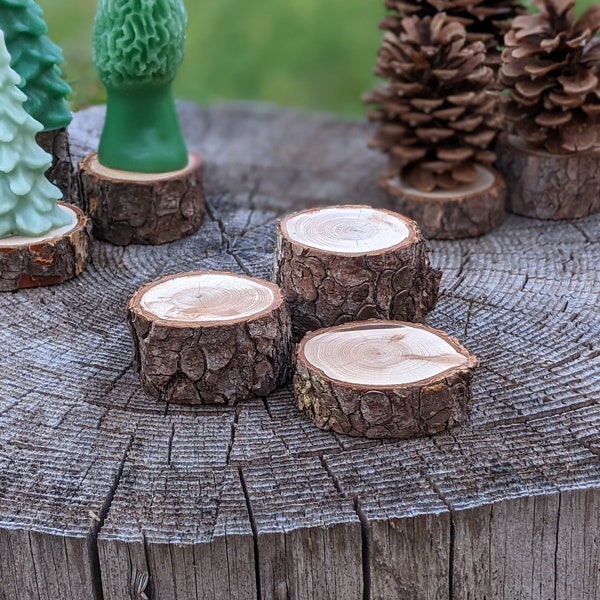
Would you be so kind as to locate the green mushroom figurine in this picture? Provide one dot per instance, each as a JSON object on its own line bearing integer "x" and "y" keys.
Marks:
{"x": 138, "y": 46}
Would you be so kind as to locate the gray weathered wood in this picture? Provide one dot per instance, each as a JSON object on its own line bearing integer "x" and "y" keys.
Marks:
{"x": 105, "y": 492}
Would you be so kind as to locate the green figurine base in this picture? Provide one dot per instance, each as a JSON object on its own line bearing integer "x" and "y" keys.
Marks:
{"x": 142, "y": 133}
{"x": 143, "y": 208}
{"x": 53, "y": 258}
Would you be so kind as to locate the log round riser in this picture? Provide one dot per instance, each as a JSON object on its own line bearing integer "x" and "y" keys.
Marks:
{"x": 138, "y": 208}
{"x": 210, "y": 338}
{"x": 381, "y": 379}
{"x": 452, "y": 215}
{"x": 327, "y": 282}
{"x": 61, "y": 173}
{"x": 547, "y": 186}
{"x": 58, "y": 256}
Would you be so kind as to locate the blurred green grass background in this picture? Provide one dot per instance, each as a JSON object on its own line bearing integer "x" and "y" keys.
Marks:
{"x": 317, "y": 54}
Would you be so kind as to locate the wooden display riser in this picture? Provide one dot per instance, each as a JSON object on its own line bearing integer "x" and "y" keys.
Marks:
{"x": 105, "y": 492}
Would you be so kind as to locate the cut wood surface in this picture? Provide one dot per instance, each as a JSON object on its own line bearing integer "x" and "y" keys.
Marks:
{"x": 547, "y": 186}
{"x": 142, "y": 208}
{"x": 105, "y": 492}
{"x": 383, "y": 379}
{"x": 348, "y": 263}
{"x": 468, "y": 211}
{"x": 55, "y": 257}
{"x": 210, "y": 337}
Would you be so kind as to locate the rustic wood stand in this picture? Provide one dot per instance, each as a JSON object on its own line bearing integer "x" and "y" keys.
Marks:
{"x": 62, "y": 172}
{"x": 50, "y": 259}
{"x": 383, "y": 379}
{"x": 469, "y": 211}
{"x": 107, "y": 493}
{"x": 549, "y": 186}
{"x": 210, "y": 337}
{"x": 142, "y": 208}
{"x": 349, "y": 263}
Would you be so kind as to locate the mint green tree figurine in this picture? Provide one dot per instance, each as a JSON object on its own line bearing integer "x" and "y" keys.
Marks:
{"x": 35, "y": 58}
{"x": 27, "y": 199}
{"x": 138, "y": 46}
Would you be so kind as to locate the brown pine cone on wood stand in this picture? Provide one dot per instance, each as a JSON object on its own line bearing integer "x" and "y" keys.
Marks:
{"x": 439, "y": 118}
{"x": 143, "y": 208}
{"x": 61, "y": 173}
{"x": 347, "y": 263}
{"x": 551, "y": 67}
{"x": 383, "y": 379}
{"x": 210, "y": 337}
{"x": 59, "y": 255}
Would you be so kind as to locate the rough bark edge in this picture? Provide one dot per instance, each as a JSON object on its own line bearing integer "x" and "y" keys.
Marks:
{"x": 390, "y": 412}
{"x": 549, "y": 187}
{"x": 46, "y": 263}
{"x": 397, "y": 283}
{"x": 463, "y": 216}
{"x": 61, "y": 173}
{"x": 129, "y": 211}
{"x": 215, "y": 364}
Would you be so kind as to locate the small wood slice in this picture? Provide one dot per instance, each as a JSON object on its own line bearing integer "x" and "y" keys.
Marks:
{"x": 549, "y": 186}
{"x": 210, "y": 337}
{"x": 347, "y": 263}
{"x": 61, "y": 173}
{"x": 143, "y": 208}
{"x": 383, "y": 379}
{"x": 469, "y": 211}
{"x": 59, "y": 255}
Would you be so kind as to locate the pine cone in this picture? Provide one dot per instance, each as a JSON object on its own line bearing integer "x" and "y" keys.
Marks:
{"x": 485, "y": 20}
{"x": 438, "y": 117}
{"x": 551, "y": 65}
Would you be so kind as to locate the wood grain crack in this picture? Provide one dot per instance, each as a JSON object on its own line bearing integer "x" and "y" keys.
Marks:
{"x": 254, "y": 528}
{"x": 556, "y": 547}
{"x": 98, "y": 522}
{"x": 451, "y": 547}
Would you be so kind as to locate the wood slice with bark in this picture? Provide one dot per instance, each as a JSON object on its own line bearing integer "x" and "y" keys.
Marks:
{"x": 549, "y": 186}
{"x": 348, "y": 263}
{"x": 53, "y": 258}
{"x": 143, "y": 208}
{"x": 468, "y": 211}
{"x": 383, "y": 379}
{"x": 62, "y": 172}
{"x": 210, "y": 337}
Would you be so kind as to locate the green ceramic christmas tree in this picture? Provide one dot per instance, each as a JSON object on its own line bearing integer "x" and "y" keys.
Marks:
{"x": 27, "y": 199}
{"x": 35, "y": 58}
{"x": 138, "y": 45}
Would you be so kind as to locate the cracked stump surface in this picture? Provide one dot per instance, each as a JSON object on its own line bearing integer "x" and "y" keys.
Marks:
{"x": 105, "y": 492}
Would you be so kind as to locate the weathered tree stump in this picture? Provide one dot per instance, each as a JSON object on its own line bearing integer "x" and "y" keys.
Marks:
{"x": 106, "y": 492}
{"x": 143, "y": 208}
{"x": 349, "y": 263}
{"x": 549, "y": 186}
{"x": 210, "y": 338}
{"x": 53, "y": 258}
{"x": 470, "y": 211}
{"x": 383, "y": 379}
{"x": 62, "y": 172}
